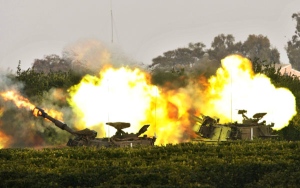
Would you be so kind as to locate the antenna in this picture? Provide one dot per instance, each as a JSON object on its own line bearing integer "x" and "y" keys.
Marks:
{"x": 231, "y": 95}
{"x": 108, "y": 110}
{"x": 111, "y": 19}
{"x": 156, "y": 94}
{"x": 155, "y": 106}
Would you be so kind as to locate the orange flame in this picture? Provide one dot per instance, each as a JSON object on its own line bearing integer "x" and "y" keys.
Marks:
{"x": 1, "y": 111}
{"x": 22, "y": 102}
{"x": 127, "y": 95}
{"x": 4, "y": 140}
{"x": 235, "y": 87}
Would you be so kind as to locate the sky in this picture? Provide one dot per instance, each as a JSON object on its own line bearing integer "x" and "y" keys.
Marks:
{"x": 141, "y": 29}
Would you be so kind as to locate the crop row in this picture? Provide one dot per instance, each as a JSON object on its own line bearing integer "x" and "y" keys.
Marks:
{"x": 242, "y": 164}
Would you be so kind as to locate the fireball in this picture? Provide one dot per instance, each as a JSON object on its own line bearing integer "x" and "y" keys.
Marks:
{"x": 4, "y": 140}
{"x": 236, "y": 87}
{"x": 127, "y": 95}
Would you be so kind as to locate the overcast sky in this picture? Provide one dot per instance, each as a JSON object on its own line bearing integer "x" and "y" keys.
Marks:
{"x": 143, "y": 29}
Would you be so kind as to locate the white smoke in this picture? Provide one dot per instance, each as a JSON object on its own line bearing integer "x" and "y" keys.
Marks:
{"x": 93, "y": 54}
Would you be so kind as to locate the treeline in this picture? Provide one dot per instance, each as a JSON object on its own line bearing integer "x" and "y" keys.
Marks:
{"x": 222, "y": 45}
{"x": 242, "y": 164}
{"x": 255, "y": 46}
{"x": 196, "y": 59}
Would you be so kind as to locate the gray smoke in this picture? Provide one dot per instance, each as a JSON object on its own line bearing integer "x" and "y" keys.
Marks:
{"x": 93, "y": 54}
{"x": 19, "y": 127}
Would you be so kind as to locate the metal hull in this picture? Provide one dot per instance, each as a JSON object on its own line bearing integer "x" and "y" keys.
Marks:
{"x": 108, "y": 142}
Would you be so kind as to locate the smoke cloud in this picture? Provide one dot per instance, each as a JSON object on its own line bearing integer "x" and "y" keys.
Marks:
{"x": 19, "y": 127}
{"x": 94, "y": 55}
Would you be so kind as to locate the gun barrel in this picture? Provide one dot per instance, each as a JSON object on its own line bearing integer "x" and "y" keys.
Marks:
{"x": 58, "y": 123}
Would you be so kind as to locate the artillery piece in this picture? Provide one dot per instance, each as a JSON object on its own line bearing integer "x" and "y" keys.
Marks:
{"x": 251, "y": 128}
{"x": 211, "y": 131}
{"x": 87, "y": 137}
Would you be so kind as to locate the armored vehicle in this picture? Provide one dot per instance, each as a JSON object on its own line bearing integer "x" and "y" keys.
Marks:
{"x": 87, "y": 137}
{"x": 252, "y": 128}
{"x": 211, "y": 131}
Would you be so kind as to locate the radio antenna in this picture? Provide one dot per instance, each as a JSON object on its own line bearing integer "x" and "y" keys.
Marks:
{"x": 111, "y": 20}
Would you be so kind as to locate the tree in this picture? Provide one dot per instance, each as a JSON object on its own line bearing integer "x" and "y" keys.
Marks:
{"x": 182, "y": 56}
{"x": 293, "y": 45}
{"x": 197, "y": 50}
{"x": 51, "y": 63}
{"x": 36, "y": 83}
{"x": 222, "y": 46}
{"x": 170, "y": 79}
{"x": 258, "y": 46}
{"x": 195, "y": 63}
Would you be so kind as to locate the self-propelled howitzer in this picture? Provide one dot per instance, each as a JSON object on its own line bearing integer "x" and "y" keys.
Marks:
{"x": 211, "y": 131}
{"x": 87, "y": 137}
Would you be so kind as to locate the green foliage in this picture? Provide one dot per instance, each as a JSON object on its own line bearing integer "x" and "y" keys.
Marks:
{"x": 36, "y": 83}
{"x": 182, "y": 56}
{"x": 51, "y": 63}
{"x": 293, "y": 45}
{"x": 170, "y": 79}
{"x": 222, "y": 45}
{"x": 291, "y": 132}
{"x": 239, "y": 164}
{"x": 258, "y": 46}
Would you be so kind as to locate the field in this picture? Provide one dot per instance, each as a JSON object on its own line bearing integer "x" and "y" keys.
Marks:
{"x": 241, "y": 164}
